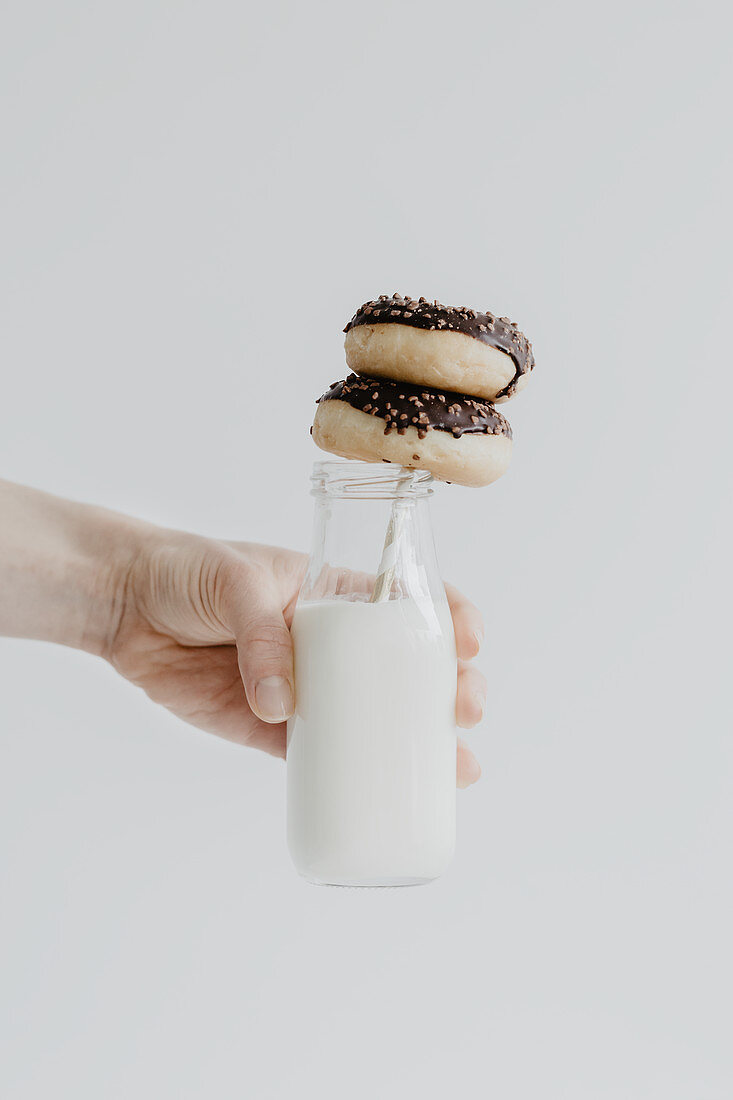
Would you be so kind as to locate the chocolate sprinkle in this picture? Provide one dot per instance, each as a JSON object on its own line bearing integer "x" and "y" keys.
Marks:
{"x": 496, "y": 332}
{"x": 394, "y": 406}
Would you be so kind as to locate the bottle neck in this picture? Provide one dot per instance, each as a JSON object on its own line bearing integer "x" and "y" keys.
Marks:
{"x": 369, "y": 481}
{"x": 370, "y": 519}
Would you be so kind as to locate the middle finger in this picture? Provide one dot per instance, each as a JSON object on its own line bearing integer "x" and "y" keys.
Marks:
{"x": 470, "y": 695}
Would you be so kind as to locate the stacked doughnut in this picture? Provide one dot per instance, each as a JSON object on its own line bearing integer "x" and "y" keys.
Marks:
{"x": 426, "y": 381}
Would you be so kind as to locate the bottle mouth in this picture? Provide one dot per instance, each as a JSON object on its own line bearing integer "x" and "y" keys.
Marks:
{"x": 369, "y": 480}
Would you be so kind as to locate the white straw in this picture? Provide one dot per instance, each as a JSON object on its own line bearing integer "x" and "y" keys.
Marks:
{"x": 386, "y": 571}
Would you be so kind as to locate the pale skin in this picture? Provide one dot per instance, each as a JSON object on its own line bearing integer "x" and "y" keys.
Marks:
{"x": 201, "y": 625}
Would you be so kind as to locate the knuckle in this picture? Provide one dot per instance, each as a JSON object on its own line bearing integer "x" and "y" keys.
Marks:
{"x": 267, "y": 640}
{"x": 267, "y": 633}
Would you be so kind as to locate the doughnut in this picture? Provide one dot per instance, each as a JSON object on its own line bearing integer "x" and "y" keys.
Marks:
{"x": 445, "y": 347}
{"x": 456, "y": 438}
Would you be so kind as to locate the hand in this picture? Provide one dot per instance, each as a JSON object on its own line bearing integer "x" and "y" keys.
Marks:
{"x": 203, "y": 627}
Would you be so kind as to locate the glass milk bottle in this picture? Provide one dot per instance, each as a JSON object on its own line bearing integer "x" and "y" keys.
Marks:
{"x": 371, "y": 756}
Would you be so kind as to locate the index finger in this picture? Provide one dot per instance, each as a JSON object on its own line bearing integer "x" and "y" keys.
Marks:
{"x": 467, "y": 623}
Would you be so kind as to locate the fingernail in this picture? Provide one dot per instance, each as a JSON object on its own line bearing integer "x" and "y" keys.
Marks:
{"x": 479, "y": 636}
{"x": 274, "y": 699}
{"x": 480, "y": 703}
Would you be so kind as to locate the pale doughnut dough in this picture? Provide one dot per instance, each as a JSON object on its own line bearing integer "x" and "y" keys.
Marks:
{"x": 442, "y": 360}
{"x": 473, "y": 459}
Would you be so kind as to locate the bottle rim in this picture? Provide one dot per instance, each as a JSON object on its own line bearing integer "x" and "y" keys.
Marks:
{"x": 354, "y": 480}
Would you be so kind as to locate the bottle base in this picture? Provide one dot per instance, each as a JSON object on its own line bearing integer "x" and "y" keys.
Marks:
{"x": 369, "y": 884}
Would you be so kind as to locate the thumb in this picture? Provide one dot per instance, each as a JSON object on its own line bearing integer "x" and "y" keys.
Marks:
{"x": 254, "y": 614}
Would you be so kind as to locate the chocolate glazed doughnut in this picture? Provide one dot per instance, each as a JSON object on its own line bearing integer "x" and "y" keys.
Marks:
{"x": 456, "y": 438}
{"x": 446, "y": 347}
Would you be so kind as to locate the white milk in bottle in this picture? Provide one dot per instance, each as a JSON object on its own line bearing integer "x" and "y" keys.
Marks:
{"x": 372, "y": 748}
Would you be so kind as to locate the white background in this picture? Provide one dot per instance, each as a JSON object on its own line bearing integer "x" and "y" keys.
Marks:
{"x": 195, "y": 197}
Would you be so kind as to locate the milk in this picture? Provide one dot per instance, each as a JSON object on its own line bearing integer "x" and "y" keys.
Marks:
{"x": 371, "y": 755}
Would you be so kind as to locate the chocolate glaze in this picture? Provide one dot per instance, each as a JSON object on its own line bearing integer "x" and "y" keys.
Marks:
{"x": 403, "y": 406}
{"x": 497, "y": 332}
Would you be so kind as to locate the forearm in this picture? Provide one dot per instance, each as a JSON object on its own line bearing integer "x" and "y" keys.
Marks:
{"x": 62, "y": 568}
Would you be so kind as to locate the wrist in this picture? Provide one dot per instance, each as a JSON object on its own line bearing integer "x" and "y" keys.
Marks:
{"x": 63, "y": 568}
{"x": 106, "y": 548}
